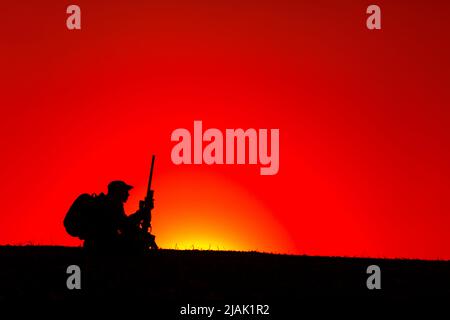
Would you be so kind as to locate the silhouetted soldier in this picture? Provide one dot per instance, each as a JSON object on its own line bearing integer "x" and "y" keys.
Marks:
{"x": 111, "y": 230}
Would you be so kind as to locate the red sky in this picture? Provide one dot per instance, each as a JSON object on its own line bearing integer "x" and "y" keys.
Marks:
{"x": 363, "y": 118}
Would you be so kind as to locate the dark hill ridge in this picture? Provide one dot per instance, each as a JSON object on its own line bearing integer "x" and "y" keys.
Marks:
{"x": 182, "y": 277}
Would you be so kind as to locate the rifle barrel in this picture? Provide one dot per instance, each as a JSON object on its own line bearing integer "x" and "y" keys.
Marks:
{"x": 151, "y": 176}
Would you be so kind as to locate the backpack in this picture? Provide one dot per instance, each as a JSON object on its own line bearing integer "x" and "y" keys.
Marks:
{"x": 81, "y": 215}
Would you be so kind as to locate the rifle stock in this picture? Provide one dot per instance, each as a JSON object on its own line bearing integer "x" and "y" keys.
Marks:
{"x": 146, "y": 204}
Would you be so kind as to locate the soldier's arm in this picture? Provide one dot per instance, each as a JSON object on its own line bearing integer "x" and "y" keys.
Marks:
{"x": 136, "y": 217}
{"x": 142, "y": 212}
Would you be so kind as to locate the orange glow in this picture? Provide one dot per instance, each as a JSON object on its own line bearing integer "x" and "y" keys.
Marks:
{"x": 210, "y": 212}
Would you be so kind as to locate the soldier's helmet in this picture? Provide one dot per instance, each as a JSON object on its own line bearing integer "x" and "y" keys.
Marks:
{"x": 118, "y": 185}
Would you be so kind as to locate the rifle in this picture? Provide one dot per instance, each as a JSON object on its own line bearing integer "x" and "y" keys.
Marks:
{"x": 145, "y": 206}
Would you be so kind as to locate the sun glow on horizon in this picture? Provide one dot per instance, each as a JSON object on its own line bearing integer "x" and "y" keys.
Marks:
{"x": 208, "y": 212}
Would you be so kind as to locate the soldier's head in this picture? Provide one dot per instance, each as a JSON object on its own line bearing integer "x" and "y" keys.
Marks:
{"x": 119, "y": 190}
